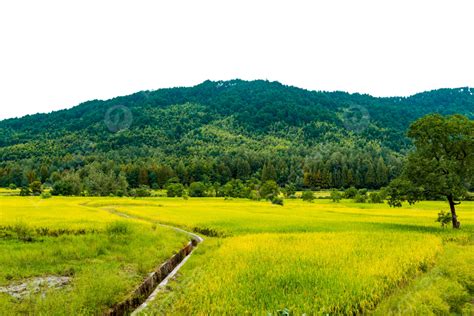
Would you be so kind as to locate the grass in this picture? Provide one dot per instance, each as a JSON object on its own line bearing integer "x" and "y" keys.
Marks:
{"x": 336, "y": 273}
{"x": 321, "y": 257}
{"x": 446, "y": 289}
{"x": 106, "y": 255}
{"x": 238, "y": 216}
{"x": 313, "y": 258}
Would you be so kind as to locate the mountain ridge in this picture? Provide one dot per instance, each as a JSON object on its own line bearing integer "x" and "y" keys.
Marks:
{"x": 467, "y": 89}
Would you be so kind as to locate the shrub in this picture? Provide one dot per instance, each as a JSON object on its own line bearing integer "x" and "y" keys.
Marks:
{"x": 269, "y": 190}
{"x": 142, "y": 191}
{"x": 174, "y": 189}
{"x": 197, "y": 189}
{"x": 350, "y": 193}
{"x": 290, "y": 189}
{"x": 383, "y": 193}
{"x": 336, "y": 196}
{"x": 277, "y": 200}
{"x": 25, "y": 191}
{"x": 70, "y": 184}
{"x": 444, "y": 218}
{"x": 36, "y": 188}
{"x": 308, "y": 196}
{"x": 211, "y": 191}
{"x": 234, "y": 188}
{"x": 375, "y": 197}
{"x": 61, "y": 187}
{"x": 360, "y": 198}
{"x": 45, "y": 195}
{"x": 12, "y": 186}
{"x": 254, "y": 195}
{"x": 225, "y": 190}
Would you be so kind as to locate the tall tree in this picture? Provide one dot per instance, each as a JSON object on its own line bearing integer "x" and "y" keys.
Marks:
{"x": 370, "y": 175}
{"x": 143, "y": 176}
{"x": 163, "y": 174}
{"x": 442, "y": 163}
{"x": 268, "y": 172}
{"x": 381, "y": 172}
{"x": 182, "y": 172}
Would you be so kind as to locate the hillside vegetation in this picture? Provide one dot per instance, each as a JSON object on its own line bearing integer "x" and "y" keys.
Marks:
{"x": 218, "y": 131}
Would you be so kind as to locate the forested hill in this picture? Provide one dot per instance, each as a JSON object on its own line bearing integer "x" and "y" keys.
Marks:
{"x": 218, "y": 131}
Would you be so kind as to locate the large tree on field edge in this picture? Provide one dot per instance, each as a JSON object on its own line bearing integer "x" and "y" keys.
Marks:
{"x": 442, "y": 164}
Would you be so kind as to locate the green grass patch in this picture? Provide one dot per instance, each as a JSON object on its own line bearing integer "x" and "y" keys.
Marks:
{"x": 105, "y": 260}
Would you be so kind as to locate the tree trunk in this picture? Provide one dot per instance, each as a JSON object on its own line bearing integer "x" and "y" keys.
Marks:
{"x": 454, "y": 217}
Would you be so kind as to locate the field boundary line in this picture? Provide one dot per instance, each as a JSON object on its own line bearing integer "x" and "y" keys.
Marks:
{"x": 161, "y": 286}
{"x": 157, "y": 280}
{"x": 175, "y": 228}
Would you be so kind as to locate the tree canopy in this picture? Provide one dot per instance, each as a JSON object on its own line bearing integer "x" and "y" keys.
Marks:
{"x": 442, "y": 164}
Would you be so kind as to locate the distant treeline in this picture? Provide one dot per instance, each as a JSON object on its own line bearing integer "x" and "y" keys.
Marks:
{"x": 330, "y": 167}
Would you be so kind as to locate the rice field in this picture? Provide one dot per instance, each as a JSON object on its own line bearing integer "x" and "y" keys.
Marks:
{"x": 335, "y": 273}
{"x": 105, "y": 256}
{"x": 303, "y": 258}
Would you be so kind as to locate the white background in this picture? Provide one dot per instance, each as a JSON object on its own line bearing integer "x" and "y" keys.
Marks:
{"x": 56, "y": 54}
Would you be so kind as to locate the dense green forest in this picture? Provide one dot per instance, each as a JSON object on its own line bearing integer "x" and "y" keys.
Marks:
{"x": 223, "y": 136}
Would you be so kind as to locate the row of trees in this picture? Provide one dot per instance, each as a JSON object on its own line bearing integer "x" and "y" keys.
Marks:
{"x": 95, "y": 181}
{"x": 329, "y": 166}
{"x": 98, "y": 183}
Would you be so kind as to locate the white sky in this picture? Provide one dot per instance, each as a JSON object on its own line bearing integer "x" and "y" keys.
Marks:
{"x": 56, "y": 54}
